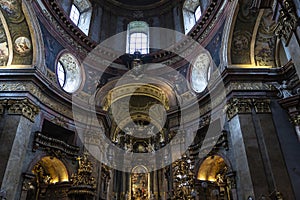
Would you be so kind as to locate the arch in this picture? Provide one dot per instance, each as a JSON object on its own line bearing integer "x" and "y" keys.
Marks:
{"x": 213, "y": 178}
{"x": 165, "y": 85}
{"x": 225, "y": 51}
{"x": 211, "y": 167}
{"x": 6, "y": 46}
{"x": 38, "y": 46}
{"x": 140, "y": 169}
{"x": 53, "y": 167}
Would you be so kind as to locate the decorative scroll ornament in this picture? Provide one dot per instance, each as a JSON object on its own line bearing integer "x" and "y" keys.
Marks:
{"x": 287, "y": 21}
{"x": 83, "y": 183}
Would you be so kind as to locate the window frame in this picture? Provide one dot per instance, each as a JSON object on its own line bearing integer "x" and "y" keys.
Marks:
{"x": 60, "y": 69}
{"x": 138, "y": 27}
{"x": 71, "y": 16}
{"x": 69, "y": 73}
{"x": 195, "y": 13}
{"x": 189, "y": 12}
{"x": 86, "y": 12}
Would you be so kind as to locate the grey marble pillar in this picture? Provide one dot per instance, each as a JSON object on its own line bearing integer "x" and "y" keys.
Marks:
{"x": 16, "y": 123}
{"x": 238, "y": 132}
{"x": 17, "y": 128}
{"x": 258, "y": 161}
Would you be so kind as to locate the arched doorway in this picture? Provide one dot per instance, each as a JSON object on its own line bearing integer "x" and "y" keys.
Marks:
{"x": 50, "y": 178}
{"x": 213, "y": 181}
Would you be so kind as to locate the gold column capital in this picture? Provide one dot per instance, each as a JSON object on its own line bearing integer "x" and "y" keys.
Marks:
{"x": 3, "y": 103}
{"x": 21, "y": 107}
{"x": 238, "y": 106}
{"x": 262, "y": 105}
{"x": 245, "y": 105}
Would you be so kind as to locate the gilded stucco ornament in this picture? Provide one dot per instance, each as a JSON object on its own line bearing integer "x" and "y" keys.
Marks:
{"x": 54, "y": 147}
{"x": 262, "y": 105}
{"x": 19, "y": 107}
{"x": 295, "y": 119}
{"x": 245, "y": 105}
{"x": 3, "y": 103}
{"x": 288, "y": 21}
{"x": 238, "y": 106}
{"x": 83, "y": 183}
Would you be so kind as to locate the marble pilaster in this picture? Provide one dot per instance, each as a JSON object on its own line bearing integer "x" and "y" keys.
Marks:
{"x": 16, "y": 122}
{"x": 19, "y": 129}
{"x": 258, "y": 160}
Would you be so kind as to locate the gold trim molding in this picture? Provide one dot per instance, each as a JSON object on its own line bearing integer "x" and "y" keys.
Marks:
{"x": 83, "y": 183}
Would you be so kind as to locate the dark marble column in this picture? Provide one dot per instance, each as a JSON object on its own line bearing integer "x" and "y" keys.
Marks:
{"x": 258, "y": 160}
{"x": 16, "y": 123}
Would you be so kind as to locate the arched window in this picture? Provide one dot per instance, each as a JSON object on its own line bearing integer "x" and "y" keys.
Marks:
{"x": 137, "y": 37}
{"x": 191, "y": 14}
{"x": 80, "y": 14}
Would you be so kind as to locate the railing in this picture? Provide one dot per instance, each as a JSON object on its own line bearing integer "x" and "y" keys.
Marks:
{"x": 44, "y": 142}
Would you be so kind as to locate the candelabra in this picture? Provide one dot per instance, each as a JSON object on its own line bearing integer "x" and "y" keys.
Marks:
{"x": 183, "y": 179}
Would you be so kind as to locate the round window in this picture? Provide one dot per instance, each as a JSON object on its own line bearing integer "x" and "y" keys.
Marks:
{"x": 68, "y": 73}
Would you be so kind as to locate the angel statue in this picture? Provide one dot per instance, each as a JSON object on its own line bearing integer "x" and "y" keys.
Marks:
{"x": 284, "y": 89}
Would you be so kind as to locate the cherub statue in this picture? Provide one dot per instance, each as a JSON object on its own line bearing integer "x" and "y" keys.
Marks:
{"x": 284, "y": 89}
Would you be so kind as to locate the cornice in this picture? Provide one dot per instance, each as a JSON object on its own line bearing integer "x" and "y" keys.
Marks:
{"x": 256, "y": 87}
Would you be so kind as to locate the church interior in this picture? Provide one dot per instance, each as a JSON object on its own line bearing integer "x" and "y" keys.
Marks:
{"x": 149, "y": 99}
